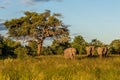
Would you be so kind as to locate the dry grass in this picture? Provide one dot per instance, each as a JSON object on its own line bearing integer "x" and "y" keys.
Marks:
{"x": 58, "y": 68}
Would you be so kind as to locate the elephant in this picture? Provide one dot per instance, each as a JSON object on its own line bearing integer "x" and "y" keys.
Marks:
{"x": 90, "y": 50}
{"x": 102, "y": 51}
{"x": 70, "y": 53}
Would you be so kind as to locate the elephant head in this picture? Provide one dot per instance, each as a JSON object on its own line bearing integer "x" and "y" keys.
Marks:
{"x": 90, "y": 50}
{"x": 102, "y": 51}
{"x": 70, "y": 53}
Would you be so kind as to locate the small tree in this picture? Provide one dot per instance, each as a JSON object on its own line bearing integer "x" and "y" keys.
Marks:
{"x": 37, "y": 26}
{"x": 58, "y": 47}
{"x": 79, "y": 43}
{"x": 96, "y": 43}
{"x": 8, "y": 47}
{"x": 21, "y": 52}
{"x": 115, "y": 46}
{"x": 47, "y": 51}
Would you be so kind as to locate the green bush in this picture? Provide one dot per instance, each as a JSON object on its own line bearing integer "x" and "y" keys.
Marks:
{"x": 46, "y": 51}
{"x": 79, "y": 43}
{"x": 32, "y": 47}
{"x": 21, "y": 52}
{"x": 115, "y": 46}
{"x": 1, "y": 46}
{"x": 58, "y": 47}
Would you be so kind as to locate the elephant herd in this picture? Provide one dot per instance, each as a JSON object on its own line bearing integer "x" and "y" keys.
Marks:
{"x": 101, "y": 51}
{"x": 90, "y": 50}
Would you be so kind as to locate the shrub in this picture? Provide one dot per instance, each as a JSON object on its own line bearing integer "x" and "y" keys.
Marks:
{"x": 21, "y": 52}
{"x": 32, "y": 46}
{"x": 47, "y": 51}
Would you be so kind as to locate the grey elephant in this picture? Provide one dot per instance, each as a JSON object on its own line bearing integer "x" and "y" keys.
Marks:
{"x": 90, "y": 50}
{"x": 102, "y": 51}
{"x": 70, "y": 53}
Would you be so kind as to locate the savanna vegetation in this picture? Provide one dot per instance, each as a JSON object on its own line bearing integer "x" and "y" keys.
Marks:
{"x": 34, "y": 61}
{"x": 57, "y": 68}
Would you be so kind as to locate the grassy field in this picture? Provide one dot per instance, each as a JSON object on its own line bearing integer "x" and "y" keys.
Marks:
{"x": 57, "y": 68}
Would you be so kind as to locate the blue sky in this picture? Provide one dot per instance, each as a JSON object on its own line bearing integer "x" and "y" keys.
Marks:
{"x": 93, "y": 19}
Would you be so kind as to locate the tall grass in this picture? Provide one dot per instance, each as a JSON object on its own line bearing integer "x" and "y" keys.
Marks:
{"x": 58, "y": 68}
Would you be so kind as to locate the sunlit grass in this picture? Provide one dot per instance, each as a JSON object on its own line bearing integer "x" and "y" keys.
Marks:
{"x": 58, "y": 68}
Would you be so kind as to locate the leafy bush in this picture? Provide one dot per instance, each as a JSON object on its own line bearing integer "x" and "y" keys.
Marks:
{"x": 21, "y": 52}
{"x": 79, "y": 43}
{"x": 32, "y": 47}
{"x": 58, "y": 47}
{"x": 47, "y": 51}
{"x": 115, "y": 46}
{"x": 1, "y": 46}
{"x": 8, "y": 47}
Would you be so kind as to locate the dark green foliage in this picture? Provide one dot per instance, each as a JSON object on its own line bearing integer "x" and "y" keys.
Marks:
{"x": 32, "y": 47}
{"x": 115, "y": 46}
{"x": 9, "y": 46}
{"x": 1, "y": 44}
{"x": 38, "y": 26}
{"x": 79, "y": 43}
{"x": 47, "y": 51}
{"x": 58, "y": 48}
{"x": 21, "y": 52}
{"x": 96, "y": 43}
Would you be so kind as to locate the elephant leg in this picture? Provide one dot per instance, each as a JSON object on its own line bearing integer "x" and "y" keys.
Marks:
{"x": 100, "y": 55}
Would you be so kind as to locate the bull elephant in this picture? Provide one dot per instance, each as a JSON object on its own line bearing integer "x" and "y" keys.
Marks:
{"x": 70, "y": 53}
{"x": 90, "y": 50}
{"x": 102, "y": 51}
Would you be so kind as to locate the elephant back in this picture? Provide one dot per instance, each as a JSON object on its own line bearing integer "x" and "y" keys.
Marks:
{"x": 102, "y": 51}
{"x": 90, "y": 50}
{"x": 70, "y": 53}
{"x": 99, "y": 50}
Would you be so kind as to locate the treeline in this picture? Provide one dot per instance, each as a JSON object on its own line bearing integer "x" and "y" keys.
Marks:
{"x": 37, "y": 27}
{"x": 14, "y": 49}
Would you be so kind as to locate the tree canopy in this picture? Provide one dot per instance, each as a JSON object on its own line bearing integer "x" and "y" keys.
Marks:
{"x": 115, "y": 46}
{"x": 38, "y": 27}
{"x": 79, "y": 43}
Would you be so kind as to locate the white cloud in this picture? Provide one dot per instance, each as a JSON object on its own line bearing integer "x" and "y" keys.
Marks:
{"x": 31, "y": 2}
{"x": 27, "y": 2}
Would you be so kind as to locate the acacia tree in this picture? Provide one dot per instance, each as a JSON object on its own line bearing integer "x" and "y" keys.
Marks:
{"x": 38, "y": 27}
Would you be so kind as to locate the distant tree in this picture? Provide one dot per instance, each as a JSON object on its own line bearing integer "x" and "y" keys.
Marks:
{"x": 9, "y": 46}
{"x": 21, "y": 52}
{"x": 96, "y": 43}
{"x": 115, "y": 46}
{"x": 58, "y": 47}
{"x": 47, "y": 51}
{"x": 79, "y": 43}
{"x": 38, "y": 26}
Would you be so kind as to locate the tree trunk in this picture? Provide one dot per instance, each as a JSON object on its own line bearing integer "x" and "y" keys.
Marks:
{"x": 39, "y": 48}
